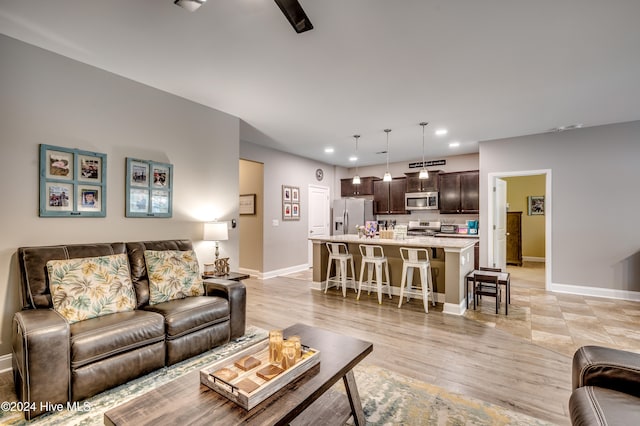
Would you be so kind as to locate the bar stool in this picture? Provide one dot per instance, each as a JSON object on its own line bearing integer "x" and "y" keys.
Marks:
{"x": 339, "y": 254}
{"x": 416, "y": 258}
{"x": 373, "y": 258}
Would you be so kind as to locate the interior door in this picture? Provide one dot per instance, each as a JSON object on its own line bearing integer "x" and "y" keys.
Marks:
{"x": 319, "y": 215}
{"x": 500, "y": 224}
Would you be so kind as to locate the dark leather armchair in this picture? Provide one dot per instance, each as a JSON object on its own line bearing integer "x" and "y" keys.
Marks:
{"x": 606, "y": 387}
{"x": 55, "y": 361}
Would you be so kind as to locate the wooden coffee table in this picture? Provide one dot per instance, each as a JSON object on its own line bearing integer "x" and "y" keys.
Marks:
{"x": 305, "y": 401}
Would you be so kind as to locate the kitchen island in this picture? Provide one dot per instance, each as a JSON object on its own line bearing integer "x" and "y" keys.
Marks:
{"x": 451, "y": 260}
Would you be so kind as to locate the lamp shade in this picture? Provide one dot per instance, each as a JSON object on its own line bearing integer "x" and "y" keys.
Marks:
{"x": 216, "y": 231}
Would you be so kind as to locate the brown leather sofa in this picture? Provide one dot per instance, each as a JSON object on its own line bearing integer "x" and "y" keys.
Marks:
{"x": 56, "y": 362}
{"x": 606, "y": 387}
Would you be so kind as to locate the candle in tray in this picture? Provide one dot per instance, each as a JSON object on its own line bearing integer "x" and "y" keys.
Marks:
{"x": 275, "y": 346}
{"x": 288, "y": 354}
{"x": 296, "y": 340}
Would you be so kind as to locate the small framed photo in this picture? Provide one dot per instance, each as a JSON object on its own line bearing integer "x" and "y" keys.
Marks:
{"x": 58, "y": 164}
{"x": 295, "y": 195}
{"x": 295, "y": 210}
{"x": 90, "y": 168}
{"x": 138, "y": 173}
{"x": 161, "y": 175}
{"x": 59, "y": 197}
{"x": 286, "y": 210}
{"x": 89, "y": 198}
{"x": 72, "y": 182}
{"x": 535, "y": 205}
{"x": 286, "y": 194}
{"x": 138, "y": 201}
{"x": 149, "y": 191}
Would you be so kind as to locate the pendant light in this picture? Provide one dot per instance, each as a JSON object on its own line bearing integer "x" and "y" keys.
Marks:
{"x": 356, "y": 178}
{"x": 387, "y": 175}
{"x": 424, "y": 174}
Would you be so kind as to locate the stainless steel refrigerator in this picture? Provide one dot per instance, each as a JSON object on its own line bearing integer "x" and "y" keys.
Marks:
{"x": 349, "y": 212}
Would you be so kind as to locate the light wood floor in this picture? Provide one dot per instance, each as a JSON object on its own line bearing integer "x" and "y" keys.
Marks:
{"x": 460, "y": 354}
{"x": 457, "y": 353}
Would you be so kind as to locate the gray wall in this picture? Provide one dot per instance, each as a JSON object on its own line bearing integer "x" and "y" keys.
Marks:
{"x": 285, "y": 245}
{"x": 49, "y": 99}
{"x": 595, "y": 203}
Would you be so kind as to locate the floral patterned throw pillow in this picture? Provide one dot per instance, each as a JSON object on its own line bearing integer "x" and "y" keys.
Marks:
{"x": 91, "y": 287}
{"x": 172, "y": 275}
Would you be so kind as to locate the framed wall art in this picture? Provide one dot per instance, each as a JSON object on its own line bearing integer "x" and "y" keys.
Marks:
{"x": 290, "y": 202}
{"x": 247, "y": 204}
{"x": 72, "y": 182}
{"x": 535, "y": 205}
{"x": 149, "y": 189}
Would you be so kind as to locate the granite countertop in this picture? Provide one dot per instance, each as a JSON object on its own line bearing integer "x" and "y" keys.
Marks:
{"x": 445, "y": 242}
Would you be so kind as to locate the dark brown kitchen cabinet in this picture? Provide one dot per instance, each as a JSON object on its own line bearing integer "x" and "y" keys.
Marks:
{"x": 415, "y": 184}
{"x": 348, "y": 189}
{"x": 514, "y": 238}
{"x": 459, "y": 192}
{"x": 388, "y": 197}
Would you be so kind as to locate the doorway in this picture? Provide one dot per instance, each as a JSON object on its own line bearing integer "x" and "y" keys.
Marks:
{"x": 251, "y": 226}
{"x": 319, "y": 216}
{"x": 520, "y": 203}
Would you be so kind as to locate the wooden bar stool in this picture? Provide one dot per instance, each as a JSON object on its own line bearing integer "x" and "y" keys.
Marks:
{"x": 339, "y": 253}
{"x": 416, "y": 258}
{"x": 373, "y": 258}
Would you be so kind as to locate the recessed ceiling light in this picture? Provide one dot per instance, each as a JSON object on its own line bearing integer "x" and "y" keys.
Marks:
{"x": 353, "y": 158}
{"x": 328, "y": 150}
{"x": 441, "y": 132}
{"x": 454, "y": 144}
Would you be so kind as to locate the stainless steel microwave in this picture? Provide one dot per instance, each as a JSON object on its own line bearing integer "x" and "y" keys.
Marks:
{"x": 421, "y": 201}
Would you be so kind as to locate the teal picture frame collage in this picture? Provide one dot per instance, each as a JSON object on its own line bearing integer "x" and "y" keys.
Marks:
{"x": 73, "y": 182}
{"x": 149, "y": 189}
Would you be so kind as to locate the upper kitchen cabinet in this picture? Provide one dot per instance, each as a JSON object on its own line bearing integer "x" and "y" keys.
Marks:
{"x": 348, "y": 189}
{"x": 415, "y": 184}
{"x": 388, "y": 197}
{"x": 459, "y": 192}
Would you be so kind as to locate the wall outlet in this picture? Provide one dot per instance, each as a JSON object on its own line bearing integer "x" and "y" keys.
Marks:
{"x": 275, "y": 222}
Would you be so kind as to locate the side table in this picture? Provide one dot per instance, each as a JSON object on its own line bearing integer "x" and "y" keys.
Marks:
{"x": 233, "y": 276}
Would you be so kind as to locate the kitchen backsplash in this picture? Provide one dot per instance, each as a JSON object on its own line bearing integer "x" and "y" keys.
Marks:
{"x": 403, "y": 219}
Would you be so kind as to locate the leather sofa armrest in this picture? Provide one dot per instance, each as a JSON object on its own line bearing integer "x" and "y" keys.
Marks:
{"x": 236, "y": 293}
{"x": 607, "y": 368}
{"x": 41, "y": 363}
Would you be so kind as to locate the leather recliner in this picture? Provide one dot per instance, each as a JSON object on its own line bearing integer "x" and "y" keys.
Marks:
{"x": 606, "y": 387}
{"x": 57, "y": 362}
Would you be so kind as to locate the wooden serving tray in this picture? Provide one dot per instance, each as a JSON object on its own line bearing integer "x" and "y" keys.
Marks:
{"x": 251, "y": 387}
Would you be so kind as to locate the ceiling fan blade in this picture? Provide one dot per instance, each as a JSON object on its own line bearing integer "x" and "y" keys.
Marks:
{"x": 295, "y": 15}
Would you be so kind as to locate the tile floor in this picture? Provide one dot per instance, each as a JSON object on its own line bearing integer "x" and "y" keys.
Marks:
{"x": 557, "y": 321}
{"x": 562, "y": 322}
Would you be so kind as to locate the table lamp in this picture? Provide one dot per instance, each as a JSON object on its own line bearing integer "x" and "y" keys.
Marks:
{"x": 215, "y": 231}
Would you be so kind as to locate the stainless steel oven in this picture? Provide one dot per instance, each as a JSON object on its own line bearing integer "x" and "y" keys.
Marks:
{"x": 421, "y": 201}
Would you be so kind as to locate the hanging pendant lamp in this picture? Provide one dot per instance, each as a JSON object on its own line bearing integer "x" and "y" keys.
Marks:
{"x": 387, "y": 175}
{"x": 424, "y": 174}
{"x": 356, "y": 178}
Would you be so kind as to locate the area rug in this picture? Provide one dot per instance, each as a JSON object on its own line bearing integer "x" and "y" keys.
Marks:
{"x": 387, "y": 397}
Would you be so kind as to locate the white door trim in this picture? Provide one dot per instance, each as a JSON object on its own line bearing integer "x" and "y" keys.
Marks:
{"x": 327, "y": 216}
{"x": 548, "y": 205}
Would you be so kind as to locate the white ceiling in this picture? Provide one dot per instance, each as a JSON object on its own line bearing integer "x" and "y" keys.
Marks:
{"x": 483, "y": 69}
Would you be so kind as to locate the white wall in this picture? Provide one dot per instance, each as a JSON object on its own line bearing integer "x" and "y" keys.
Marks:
{"x": 594, "y": 202}
{"x": 49, "y": 99}
{"x": 285, "y": 245}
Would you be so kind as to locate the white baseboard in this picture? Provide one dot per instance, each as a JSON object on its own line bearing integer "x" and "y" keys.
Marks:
{"x": 251, "y": 272}
{"x": 533, "y": 259}
{"x": 285, "y": 271}
{"x": 5, "y": 363}
{"x": 596, "y": 291}
{"x": 453, "y": 309}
